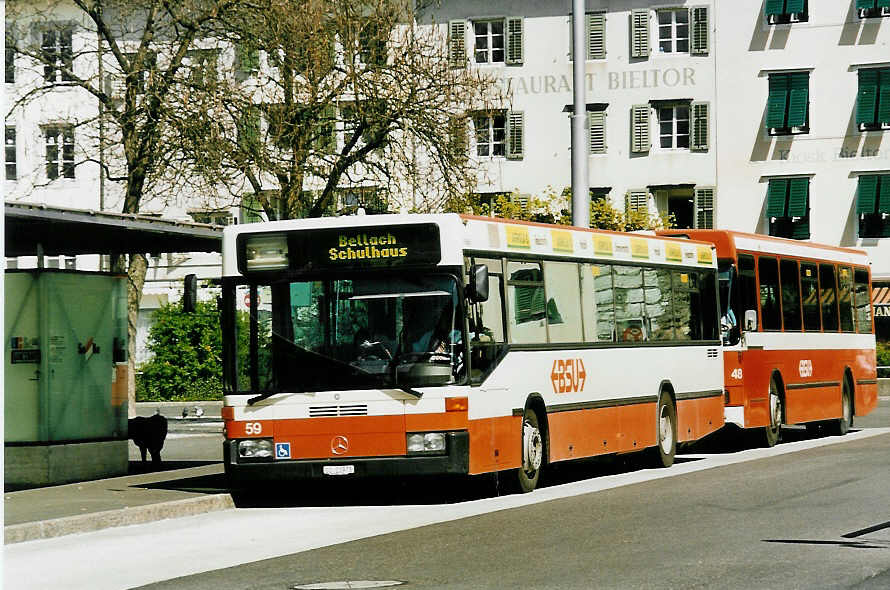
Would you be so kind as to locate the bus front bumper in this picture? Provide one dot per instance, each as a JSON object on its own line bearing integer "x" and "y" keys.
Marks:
{"x": 455, "y": 461}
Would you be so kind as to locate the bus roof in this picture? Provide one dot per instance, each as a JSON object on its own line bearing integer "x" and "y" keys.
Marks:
{"x": 729, "y": 243}
{"x": 459, "y": 233}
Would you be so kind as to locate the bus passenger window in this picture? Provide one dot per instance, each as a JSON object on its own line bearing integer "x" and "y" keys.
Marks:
{"x": 845, "y": 298}
{"x": 790, "y": 295}
{"x": 596, "y": 295}
{"x": 862, "y": 302}
{"x": 630, "y": 322}
{"x": 747, "y": 286}
{"x": 563, "y": 301}
{"x": 770, "y": 310}
{"x": 809, "y": 294}
{"x": 659, "y": 303}
{"x": 827, "y": 293}
{"x": 527, "y": 308}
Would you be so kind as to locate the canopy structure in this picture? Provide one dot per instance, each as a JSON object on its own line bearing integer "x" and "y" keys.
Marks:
{"x": 59, "y": 231}
{"x": 880, "y": 298}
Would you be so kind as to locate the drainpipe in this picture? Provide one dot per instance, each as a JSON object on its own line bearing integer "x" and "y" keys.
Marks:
{"x": 580, "y": 180}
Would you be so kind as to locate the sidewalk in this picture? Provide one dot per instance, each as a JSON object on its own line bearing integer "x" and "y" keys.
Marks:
{"x": 182, "y": 488}
{"x": 54, "y": 511}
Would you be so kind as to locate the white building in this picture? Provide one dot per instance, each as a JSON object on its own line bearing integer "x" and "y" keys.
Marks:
{"x": 757, "y": 116}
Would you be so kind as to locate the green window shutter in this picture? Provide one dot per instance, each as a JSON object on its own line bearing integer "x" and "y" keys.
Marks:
{"x": 596, "y": 123}
{"x": 865, "y": 4}
{"x": 798, "y": 99}
{"x": 778, "y": 100}
{"x": 639, "y": 122}
{"x": 596, "y": 36}
{"x": 639, "y": 33}
{"x": 457, "y": 44}
{"x": 884, "y": 97}
{"x": 883, "y": 4}
{"x": 867, "y": 194}
{"x": 884, "y": 193}
{"x": 794, "y": 6}
{"x": 867, "y": 97}
{"x": 515, "y": 135}
{"x": 248, "y": 58}
{"x": 249, "y": 128}
{"x": 800, "y": 229}
{"x": 776, "y": 196}
{"x": 699, "y": 43}
{"x": 774, "y": 7}
{"x": 700, "y": 134}
{"x": 514, "y": 40}
{"x": 798, "y": 197}
{"x": 704, "y": 207}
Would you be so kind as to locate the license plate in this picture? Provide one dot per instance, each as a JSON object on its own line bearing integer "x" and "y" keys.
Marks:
{"x": 338, "y": 469}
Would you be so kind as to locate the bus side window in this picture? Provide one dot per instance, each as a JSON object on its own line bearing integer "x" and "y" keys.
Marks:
{"x": 770, "y": 310}
{"x": 747, "y": 285}
{"x": 827, "y": 293}
{"x": 809, "y": 284}
{"x": 487, "y": 339}
{"x": 596, "y": 296}
{"x": 845, "y": 298}
{"x": 563, "y": 301}
{"x": 790, "y": 295}
{"x": 862, "y": 301}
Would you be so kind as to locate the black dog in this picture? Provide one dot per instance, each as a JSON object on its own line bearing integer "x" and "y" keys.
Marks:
{"x": 149, "y": 435}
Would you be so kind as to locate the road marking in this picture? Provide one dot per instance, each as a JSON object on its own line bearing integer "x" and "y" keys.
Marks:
{"x": 148, "y": 553}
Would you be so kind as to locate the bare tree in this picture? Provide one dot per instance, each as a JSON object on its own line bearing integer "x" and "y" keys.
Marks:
{"x": 127, "y": 56}
{"x": 334, "y": 98}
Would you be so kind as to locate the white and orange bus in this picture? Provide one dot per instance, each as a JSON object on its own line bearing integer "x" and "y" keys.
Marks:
{"x": 446, "y": 344}
{"x": 798, "y": 332}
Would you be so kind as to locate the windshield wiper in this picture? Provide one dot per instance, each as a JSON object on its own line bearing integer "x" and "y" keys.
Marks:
{"x": 260, "y": 397}
{"x": 409, "y": 391}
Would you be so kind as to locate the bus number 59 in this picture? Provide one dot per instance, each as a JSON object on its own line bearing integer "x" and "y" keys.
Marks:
{"x": 253, "y": 428}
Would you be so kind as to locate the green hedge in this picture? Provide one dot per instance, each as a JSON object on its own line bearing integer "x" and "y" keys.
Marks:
{"x": 883, "y": 358}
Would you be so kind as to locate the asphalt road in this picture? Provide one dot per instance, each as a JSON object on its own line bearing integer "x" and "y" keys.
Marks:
{"x": 811, "y": 518}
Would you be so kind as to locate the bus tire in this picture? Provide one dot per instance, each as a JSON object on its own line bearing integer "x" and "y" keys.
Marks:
{"x": 841, "y": 426}
{"x": 525, "y": 479}
{"x": 770, "y": 434}
{"x": 666, "y": 432}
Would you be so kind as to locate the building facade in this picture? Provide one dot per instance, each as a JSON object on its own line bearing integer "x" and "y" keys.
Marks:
{"x": 771, "y": 117}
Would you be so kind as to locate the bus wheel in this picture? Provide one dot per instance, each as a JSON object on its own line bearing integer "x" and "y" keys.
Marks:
{"x": 532, "y": 452}
{"x": 664, "y": 452}
{"x": 776, "y": 411}
{"x": 841, "y": 426}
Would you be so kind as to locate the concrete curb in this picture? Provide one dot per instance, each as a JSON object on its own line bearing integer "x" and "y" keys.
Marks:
{"x": 84, "y": 523}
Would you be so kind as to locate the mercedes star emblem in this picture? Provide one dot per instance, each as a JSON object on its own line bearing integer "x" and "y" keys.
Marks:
{"x": 339, "y": 445}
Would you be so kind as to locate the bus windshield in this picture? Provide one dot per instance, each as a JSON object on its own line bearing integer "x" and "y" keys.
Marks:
{"x": 356, "y": 333}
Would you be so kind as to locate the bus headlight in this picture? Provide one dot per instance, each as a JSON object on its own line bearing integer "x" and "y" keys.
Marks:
{"x": 426, "y": 442}
{"x": 255, "y": 448}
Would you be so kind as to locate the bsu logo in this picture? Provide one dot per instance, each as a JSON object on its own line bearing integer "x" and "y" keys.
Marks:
{"x": 568, "y": 375}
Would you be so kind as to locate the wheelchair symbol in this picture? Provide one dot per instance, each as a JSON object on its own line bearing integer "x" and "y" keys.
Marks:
{"x": 282, "y": 450}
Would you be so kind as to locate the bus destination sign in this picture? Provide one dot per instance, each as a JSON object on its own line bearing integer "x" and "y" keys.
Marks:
{"x": 365, "y": 247}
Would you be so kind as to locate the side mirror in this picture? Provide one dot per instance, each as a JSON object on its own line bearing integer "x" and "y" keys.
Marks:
{"x": 751, "y": 320}
{"x": 477, "y": 288}
{"x": 189, "y": 293}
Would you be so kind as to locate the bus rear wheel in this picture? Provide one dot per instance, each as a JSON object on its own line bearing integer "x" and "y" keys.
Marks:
{"x": 841, "y": 426}
{"x": 776, "y": 413}
{"x": 664, "y": 452}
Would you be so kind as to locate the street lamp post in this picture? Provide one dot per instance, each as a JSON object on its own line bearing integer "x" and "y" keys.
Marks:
{"x": 580, "y": 191}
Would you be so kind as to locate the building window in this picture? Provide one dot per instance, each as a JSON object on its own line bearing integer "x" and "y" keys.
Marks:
{"x": 10, "y": 59}
{"x": 489, "y": 41}
{"x": 788, "y": 109}
{"x": 57, "y": 55}
{"x": 873, "y": 99}
{"x": 10, "y": 154}
{"x": 788, "y": 207}
{"x": 202, "y": 66}
{"x": 372, "y": 39}
{"x": 873, "y": 205}
{"x": 217, "y": 217}
{"x": 673, "y": 31}
{"x": 786, "y": 11}
{"x": 673, "y": 126}
{"x": 873, "y": 8}
{"x": 491, "y": 133}
{"x": 59, "y": 140}
{"x": 142, "y": 71}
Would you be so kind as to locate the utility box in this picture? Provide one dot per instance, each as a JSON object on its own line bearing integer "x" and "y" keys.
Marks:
{"x": 65, "y": 379}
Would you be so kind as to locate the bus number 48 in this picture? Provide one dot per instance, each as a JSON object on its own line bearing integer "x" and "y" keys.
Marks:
{"x": 736, "y": 374}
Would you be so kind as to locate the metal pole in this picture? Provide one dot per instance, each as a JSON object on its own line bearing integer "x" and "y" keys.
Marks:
{"x": 580, "y": 191}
